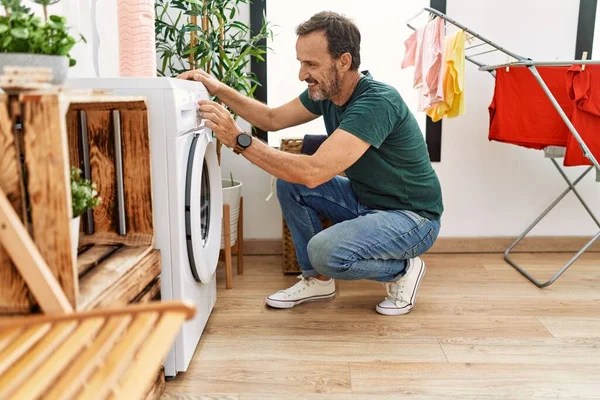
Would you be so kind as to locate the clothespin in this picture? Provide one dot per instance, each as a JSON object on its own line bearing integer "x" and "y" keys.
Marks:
{"x": 507, "y": 61}
{"x": 583, "y": 57}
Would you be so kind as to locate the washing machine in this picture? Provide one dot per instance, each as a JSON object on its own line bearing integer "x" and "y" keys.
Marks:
{"x": 187, "y": 197}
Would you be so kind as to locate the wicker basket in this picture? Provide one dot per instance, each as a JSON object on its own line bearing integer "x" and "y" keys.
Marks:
{"x": 289, "y": 261}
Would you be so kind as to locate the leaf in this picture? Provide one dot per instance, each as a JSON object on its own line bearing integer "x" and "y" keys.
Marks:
{"x": 19, "y": 33}
{"x": 6, "y": 41}
{"x": 3, "y": 28}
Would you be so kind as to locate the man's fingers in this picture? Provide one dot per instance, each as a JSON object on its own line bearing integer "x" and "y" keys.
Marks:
{"x": 210, "y": 125}
{"x": 210, "y": 116}
{"x": 213, "y": 107}
{"x": 193, "y": 74}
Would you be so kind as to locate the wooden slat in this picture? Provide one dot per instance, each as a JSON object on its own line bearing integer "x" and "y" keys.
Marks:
{"x": 150, "y": 293}
{"x": 28, "y": 260}
{"x": 151, "y": 355}
{"x": 133, "y": 309}
{"x": 131, "y": 239}
{"x": 74, "y": 139}
{"x": 98, "y": 285}
{"x": 13, "y": 290}
{"x": 48, "y": 185}
{"x": 7, "y": 336}
{"x": 119, "y": 359}
{"x": 75, "y": 376}
{"x": 136, "y": 165}
{"x": 22, "y": 344}
{"x": 98, "y": 104}
{"x": 32, "y": 359}
{"x": 92, "y": 257}
{"x": 131, "y": 284}
{"x": 102, "y": 164}
{"x": 53, "y": 366}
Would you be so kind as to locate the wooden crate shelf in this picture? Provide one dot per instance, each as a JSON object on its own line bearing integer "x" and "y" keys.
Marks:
{"x": 42, "y": 135}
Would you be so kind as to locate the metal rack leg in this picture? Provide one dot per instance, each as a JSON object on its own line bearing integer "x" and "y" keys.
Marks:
{"x": 538, "y": 219}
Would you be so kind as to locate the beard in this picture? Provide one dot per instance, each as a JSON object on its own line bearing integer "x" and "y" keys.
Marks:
{"x": 328, "y": 88}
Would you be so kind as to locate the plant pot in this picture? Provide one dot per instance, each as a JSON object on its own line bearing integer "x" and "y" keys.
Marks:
{"x": 58, "y": 64}
{"x": 74, "y": 227}
{"x": 231, "y": 196}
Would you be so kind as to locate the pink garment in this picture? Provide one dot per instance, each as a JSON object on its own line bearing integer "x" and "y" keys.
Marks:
{"x": 424, "y": 50}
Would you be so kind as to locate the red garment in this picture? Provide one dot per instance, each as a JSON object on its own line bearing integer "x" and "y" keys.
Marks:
{"x": 583, "y": 88}
{"x": 522, "y": 114}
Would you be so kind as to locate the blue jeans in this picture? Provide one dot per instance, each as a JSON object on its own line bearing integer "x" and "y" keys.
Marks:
{"x": 363, "y": 244}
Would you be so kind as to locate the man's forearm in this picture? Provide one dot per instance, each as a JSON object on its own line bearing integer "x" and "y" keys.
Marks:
{"x": 253, "y": 111}
{"x": 293, "y": 168}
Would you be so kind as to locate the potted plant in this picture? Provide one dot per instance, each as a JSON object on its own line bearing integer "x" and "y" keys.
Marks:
{"x": 221, "y": 45}
{"x": 84, "y": 196}
{"x": 232, "y": 193}
{"x": 28, "y": 41}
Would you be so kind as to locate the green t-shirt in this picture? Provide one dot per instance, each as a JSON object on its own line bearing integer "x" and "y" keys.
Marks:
{"x": 395, "y": 173}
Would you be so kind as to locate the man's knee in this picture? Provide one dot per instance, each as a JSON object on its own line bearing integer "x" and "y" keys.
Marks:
{"x": 322, "y": 254}
{"x": 318, "y": 252}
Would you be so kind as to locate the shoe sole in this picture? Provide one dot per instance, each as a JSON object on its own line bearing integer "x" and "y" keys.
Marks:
{"x": 290, "y": 304}
{"x": 406, "y": 310}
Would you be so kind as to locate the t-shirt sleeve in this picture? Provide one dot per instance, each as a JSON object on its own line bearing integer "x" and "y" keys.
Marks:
{"x": 371, "y": 118}
{"x": 311, "y": 105}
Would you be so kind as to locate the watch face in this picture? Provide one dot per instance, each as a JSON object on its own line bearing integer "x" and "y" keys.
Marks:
{"x": 244, "y": 140}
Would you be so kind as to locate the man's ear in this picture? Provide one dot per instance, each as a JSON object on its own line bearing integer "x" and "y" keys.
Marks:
{"x": 345, "y": 61}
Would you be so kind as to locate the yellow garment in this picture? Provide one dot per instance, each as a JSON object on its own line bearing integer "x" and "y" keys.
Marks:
{"x": 453, "y": 62}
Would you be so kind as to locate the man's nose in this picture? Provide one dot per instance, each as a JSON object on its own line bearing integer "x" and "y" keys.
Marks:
{"x": 303, "y": 75}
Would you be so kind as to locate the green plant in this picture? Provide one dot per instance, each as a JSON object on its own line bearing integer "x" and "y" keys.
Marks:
{"x": 23, "y": 32}
{"x": 13, "y": 6}
{"x": 220, "y": 44}
{"x": 84, "y": 195}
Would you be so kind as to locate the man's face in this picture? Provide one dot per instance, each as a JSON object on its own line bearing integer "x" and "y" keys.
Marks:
{"x": 317, "y": 67}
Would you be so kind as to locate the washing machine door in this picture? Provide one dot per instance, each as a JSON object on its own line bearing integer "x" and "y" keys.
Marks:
{"x": 203, "y": 206}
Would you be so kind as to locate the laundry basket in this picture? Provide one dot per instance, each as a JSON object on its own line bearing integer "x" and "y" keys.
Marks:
{"x": 289, "y": 261}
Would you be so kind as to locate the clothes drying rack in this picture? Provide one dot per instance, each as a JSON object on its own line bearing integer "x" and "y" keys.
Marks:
{"x": 550, "y": 152}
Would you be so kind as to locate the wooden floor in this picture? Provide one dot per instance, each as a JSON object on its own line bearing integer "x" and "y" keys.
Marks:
{"x": 479, "y": 330}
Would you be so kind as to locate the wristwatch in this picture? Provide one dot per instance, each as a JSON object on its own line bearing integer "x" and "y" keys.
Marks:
{"x": 242, "y": 142}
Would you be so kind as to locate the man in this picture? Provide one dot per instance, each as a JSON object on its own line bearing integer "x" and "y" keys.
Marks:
{"x": 386, "y": 213}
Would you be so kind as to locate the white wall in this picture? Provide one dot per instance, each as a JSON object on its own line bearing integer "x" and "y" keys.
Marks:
{"x": 380, "y": 57}
{"x": 490, "y": 189}
{"x": 80, "y": 16}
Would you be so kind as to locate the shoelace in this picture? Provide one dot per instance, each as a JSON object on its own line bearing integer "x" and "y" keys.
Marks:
{"x": 304, "y": 283}
{"x": 394, "y": 291}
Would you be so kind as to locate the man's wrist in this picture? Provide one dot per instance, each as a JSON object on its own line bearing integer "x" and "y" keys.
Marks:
{"x": 243, "y": 140}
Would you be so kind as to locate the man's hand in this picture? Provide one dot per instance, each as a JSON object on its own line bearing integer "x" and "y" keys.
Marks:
{"x": 220, "y": 121}
{"x": 212, "y": 84}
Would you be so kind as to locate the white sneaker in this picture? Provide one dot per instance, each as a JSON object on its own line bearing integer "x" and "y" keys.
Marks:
{"x": 402, "y": 293}
{"x": 308, "y": 289}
